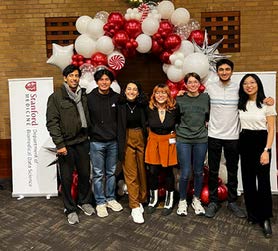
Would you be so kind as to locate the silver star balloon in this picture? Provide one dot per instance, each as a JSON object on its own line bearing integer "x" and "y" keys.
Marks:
{"x": 210, "y": 51}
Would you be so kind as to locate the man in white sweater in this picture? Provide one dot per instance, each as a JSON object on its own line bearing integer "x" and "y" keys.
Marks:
{"x": 223, "y": 132}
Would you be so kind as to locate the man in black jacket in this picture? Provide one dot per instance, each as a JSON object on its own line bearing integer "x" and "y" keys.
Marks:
{"x": 67, "y": 122}
{"x": 102, "y": 103}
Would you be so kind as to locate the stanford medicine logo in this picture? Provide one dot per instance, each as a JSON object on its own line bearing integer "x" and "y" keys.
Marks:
{"x": 31, "y": 86}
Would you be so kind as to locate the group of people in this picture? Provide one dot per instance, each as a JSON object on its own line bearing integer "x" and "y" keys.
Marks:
{"x": 149, "y": 138}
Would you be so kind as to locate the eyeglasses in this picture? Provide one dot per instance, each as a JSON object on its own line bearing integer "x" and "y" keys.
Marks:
{"x": 162, "y": 93}
{"x": 249, "y": 83}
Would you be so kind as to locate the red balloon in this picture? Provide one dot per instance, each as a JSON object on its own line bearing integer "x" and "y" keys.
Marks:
{"x": 171, "y": 84}
{"x": 205, "y": 195}
{"x": 80, "y": 63}
{"x": 120, "y": 39}
{"x": 220, "y": 182}
{"x": 117, "y": 19}
{"x": 129, "y": 52}
{"x": 174, "y": 92}
{"x": 181, "y": 85}
{"x": 222, "y": 192}
{"x": 133, "y": 28}
{"x": 99, "y": 58}
{"x": 165, "y": 27}
{"x": 74, "y": 57}
{"x": 161, "y": 192}
{"x": 201, "y": 88}
{"x": 88, "y": 61}
{"x": 156, "y": 47}
{"x": 198, "y": 36}
{"x": 80, "y": 57}
{"x": 74, "y": 185}
{"x": 75, "y": 63}
{"x": 172, "y": 42}
{"x": 164, "y": 57}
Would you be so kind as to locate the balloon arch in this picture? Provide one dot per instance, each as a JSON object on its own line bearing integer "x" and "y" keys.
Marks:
{"x": 160, "y": 29}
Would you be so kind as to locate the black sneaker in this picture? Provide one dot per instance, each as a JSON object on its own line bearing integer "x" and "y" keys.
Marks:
{"x": 212, "y": 209}
{"x": 236, "y": 210}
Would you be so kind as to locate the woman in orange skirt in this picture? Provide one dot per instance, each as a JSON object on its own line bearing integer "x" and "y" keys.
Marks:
{"x": 161, "y": 153}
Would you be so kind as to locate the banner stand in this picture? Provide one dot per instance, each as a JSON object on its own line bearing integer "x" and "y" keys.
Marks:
{"x": 31, "y": 174}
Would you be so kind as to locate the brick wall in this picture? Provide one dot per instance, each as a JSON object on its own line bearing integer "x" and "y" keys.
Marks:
{"x": 22, "y": 37}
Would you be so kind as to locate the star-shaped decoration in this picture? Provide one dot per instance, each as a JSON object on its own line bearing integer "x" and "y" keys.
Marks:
{"x": 61, "y": 56}
{"x": 210, "y": 51}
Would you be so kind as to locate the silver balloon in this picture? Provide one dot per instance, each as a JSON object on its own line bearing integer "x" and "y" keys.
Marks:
{"x": 210, "y": 50}
{"x": 152, "y": 5}
{"x": 102, "y": 15}
{"x": 193, "y": 24}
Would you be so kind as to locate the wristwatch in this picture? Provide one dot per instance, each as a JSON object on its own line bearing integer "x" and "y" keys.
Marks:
{"x": 267, "y": 149}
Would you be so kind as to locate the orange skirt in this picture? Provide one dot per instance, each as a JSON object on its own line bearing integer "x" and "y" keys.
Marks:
{"x": 159, "y": 151}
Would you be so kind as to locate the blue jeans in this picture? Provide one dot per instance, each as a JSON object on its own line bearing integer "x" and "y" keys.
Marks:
{"x": 104, "y": 161}
{"x": 185, "y": 153}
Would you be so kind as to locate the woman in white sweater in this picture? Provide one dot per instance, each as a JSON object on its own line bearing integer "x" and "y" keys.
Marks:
{"x": 256, "y": 138}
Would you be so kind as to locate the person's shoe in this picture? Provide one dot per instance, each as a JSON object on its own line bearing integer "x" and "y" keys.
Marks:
{"x": 197, "y": 206}
{"x": 168, "y": 204}
{"x": 101, "y": 210}
{"x": 141, "y": 208}
{"x": 182, "y": 208}
{"x": 137, "y": 215}
{"x": 212, "y": 209}
{"x": 267, "y": 231}
{"x": 114, "y": 205}
{"x": 237, "y": 211}
{"x": 73, "y": 218}
{"x": 153, "y": 202}
{"x": 87, "y": 209}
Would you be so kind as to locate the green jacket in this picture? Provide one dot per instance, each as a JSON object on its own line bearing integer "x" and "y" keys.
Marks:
{"x": 63, "y": 120}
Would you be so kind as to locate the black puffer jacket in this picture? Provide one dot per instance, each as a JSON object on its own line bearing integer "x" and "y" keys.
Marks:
{"x": 63, "y": 120}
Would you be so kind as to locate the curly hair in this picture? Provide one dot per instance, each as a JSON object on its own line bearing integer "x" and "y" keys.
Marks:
{"x": 170, "y": 102}
{"x": 141, "y": 99}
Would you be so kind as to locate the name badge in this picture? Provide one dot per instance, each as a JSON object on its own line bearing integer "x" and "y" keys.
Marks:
{"x": 172, "y": 141}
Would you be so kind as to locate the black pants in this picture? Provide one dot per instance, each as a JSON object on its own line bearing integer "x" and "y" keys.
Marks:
{"x": 77, "y": 157}
{"x": 255, "y": 177}
{"x": 166, "y": 172}
{"x": 231, "y": 153}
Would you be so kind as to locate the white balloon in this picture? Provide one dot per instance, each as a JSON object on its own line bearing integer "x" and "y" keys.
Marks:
{"x": 180, "y": 16}
{"x": 144, "y": 43}
{"x": 175, "y": 74}
{"x": 178, "y": 63}
{"x": 85, "y": 45}
{"x": 186, "y": 48}
{"x": 61, "y": 56}
{"x": 165, "y": 9}
{"x": 95, "y": 28}
{"x": 150, "y": 26}
{"x": 116, "y": 87}
{"x": 165, "y": 67}
{"x": 105, "y": 45}
{"x": 196, "y": 62}
{"x": 82, "y": 23}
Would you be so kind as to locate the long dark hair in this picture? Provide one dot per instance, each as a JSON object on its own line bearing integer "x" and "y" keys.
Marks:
{"x": 243, "y": 97}
{"x": 141, "y": 98}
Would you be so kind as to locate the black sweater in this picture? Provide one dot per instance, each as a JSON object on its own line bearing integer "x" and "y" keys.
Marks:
{"x": 103, "y": 114}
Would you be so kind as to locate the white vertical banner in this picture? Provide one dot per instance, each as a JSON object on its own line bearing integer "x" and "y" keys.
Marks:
{"x": 29, "y": 137}
{"x": 269, "y": 82}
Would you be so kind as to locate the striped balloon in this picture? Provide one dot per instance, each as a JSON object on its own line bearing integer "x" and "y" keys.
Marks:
{"x": 116, "y": 61}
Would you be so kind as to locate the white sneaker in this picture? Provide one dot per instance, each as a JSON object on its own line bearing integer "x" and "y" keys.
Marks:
{"x": 137, "y": 215}
{"x": 73, "y": 218}
{"x": 101, "y": 211}
{"x": 114, "y": 205}
{"x": 182, "y": 208}
{"x": 197, "y": 206}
